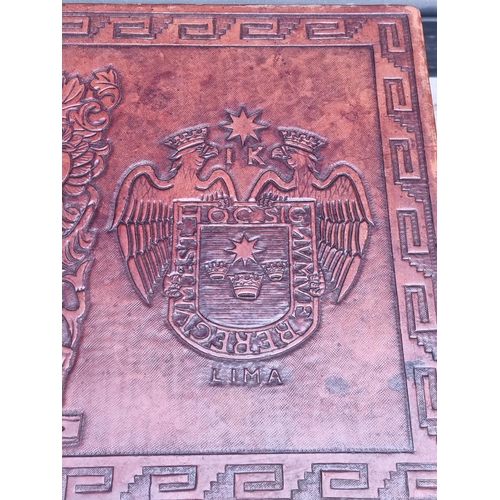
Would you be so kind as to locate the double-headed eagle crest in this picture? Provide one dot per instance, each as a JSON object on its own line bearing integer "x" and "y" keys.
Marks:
{"x": 243, "y": 239}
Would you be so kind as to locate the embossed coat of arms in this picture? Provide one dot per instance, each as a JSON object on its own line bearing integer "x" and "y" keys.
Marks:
{"x": 232, "y": 238}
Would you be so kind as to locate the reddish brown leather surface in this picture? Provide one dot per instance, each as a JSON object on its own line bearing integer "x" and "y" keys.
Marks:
{"x": 249, "y": 261}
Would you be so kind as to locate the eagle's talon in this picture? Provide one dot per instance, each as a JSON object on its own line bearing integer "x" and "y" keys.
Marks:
{"x": 225, "y": 202}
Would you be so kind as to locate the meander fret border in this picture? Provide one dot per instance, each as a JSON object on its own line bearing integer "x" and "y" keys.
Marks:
{"x": 412, "y": 237}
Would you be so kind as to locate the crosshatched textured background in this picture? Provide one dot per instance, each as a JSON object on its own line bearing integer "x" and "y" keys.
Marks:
{"x": 347, "y": 382}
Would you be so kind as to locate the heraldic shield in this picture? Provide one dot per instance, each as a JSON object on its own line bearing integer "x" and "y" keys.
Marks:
{"x": 242, "y": 248}
{"x": 247, "y": 282}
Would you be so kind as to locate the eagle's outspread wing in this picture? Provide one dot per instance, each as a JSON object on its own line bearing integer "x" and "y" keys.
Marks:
{"x": 143, "y": 208}
{"x": 143, "y": 222}
{"x": 343, "y": 223}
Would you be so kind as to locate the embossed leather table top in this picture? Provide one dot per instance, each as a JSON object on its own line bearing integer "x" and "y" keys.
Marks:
{"x": 249, "y": 261}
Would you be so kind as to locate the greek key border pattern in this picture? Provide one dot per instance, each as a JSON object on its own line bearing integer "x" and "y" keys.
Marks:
{"x": 320, "y": 481}
{"x": 173, "y": 28}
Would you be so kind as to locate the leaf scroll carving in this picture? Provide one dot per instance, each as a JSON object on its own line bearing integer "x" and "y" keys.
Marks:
{"x": 86, "y": 107}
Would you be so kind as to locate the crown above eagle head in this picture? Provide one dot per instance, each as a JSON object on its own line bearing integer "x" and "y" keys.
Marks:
{"x": 303, "y": 139}
{"x": 187, "y": 138}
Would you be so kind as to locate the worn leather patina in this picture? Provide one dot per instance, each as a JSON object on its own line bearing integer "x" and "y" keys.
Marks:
{"x": 249, "y": 253}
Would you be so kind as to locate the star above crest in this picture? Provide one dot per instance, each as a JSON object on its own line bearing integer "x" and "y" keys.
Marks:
{"x": 245, "y": 249}
{"x": 244, "y": 125}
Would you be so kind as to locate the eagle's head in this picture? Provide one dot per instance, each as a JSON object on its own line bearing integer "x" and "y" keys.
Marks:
{"x": 295, "y": 158}
{"x": 192, "y": 150}
{"x": 299, "y": 148}
{"x": 195, "y": 156}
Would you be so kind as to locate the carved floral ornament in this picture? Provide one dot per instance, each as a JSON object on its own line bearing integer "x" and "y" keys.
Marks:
{"x": 86, "y": 107}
